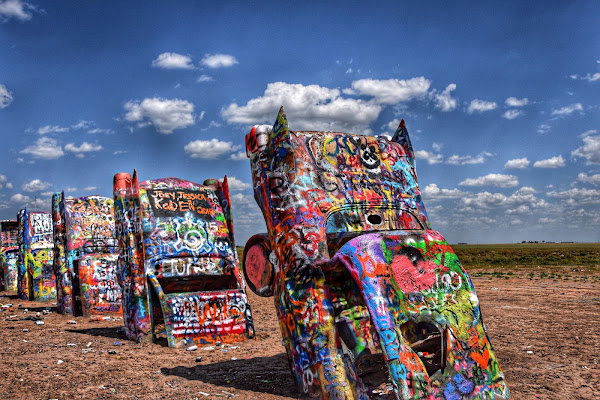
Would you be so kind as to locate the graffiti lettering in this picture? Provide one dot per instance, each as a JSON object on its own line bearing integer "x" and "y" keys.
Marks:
{"x": 216, "y": 314}
{"x": 187, "y": 266}
{"x": 172, "y": 228}
{"x": 99, "y": 289}
{"x": 41, "y": 224}
{"x": 177, "y": 202}
{"x": 348, "y": 231}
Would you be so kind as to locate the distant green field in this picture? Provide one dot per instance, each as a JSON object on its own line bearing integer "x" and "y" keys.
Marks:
{"x": 529, "y": 254}
{"x": 524, "y": 255}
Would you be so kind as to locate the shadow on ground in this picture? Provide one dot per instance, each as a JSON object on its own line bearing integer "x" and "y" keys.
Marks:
{"x": 39, "y": 309}
{"x": 112, "y": 332}
{"x": 115, "y": 332}
{"x": 258, "y": 374}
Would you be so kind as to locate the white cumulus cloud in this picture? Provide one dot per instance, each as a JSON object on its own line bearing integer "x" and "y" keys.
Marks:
{"x": 517, "y": 163}
{"x": 546, "y": 220}
{"x": 392, "y": 91}
{"x": 543, "y": 129}
{"x": 84, "y": 148}
{"x": 444, "y": 100}
{"x": 481, "y": 106}
{"x": 568, "y": 110}
{"x": 209, "y": 149}
{"x": 16, "y": 9}
{"x": 465, "y": 160}
{"x": 554, "y": 162}
{"x": 525, "y": 191}
{"x": 36, "y": 185}
{"x": 173, "y": 61}
{"x": 44, "y": 148}
{"x": 433, "y": 192}
{"x": 39, "y": 203}
{"x": 94, "y": 131}
{"x": 242, "y": 199}
{"x": 309, "y": 107}
{"x": 590, "y": 149}
{"x": 6, "y": 97}
{"x": 592, "y": 179}
{"x": 429, "y": 157}
{"x": 436, "y": 158}
{"x": 20, "y": 199}
{"x": 514, "y": 102}
{"x": 83, "y": 124}
{"x": 588, "y": 77}
{"x": 392, "y": 125}
{"x": 43, "y": 130}
{"x": 248, "y": 218}
{"x": 4, "y": 182}
{"x": 164, "y": 114}
{"x": 577, "y": 196}
{"x": 239, "y": 156}
{"x": 218, "y": 60}
{"x": 237, "y": 184}
{"x": 590, "y": 132}
{"x": 592, "y": 77}
{"x": 512, "y": 114}
{"x": 205, "y": 78}
{"x": 499, "y": 180}
{"x": 522, "y": 209}
{"x": 487, "y": 200}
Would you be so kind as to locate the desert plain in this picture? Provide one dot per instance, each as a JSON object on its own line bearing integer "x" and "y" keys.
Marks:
{"x": 540, "y": 305}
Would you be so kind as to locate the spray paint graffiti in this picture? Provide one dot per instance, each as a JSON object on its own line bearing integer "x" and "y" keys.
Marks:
{"x": 35, "y": 275}
{"x": 100, "y": 292}
{"x": 8, "y": 254}
{"x": 85, "y": 255}
{"x": 214, "y": 314}
{"x": 368, "y": 296}
{"x": 9, "y": 268}
{"x": 178, "y": 269}
{"x": 22, "y": 287}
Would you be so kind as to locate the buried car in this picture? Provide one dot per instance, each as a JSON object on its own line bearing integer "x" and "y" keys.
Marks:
{"x": 9, "y": 252}
{"x": 372, "y": 303}
{"x": 35, "y": 276}
{"x": 178, "y": 267}
{"x": 85, "y": 255}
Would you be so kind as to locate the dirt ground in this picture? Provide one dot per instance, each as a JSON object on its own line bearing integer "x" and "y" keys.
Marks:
{"x": 545, "y": 330}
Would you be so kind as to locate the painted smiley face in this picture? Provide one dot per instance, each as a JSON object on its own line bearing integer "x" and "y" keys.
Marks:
{"x": 368, "y": 156}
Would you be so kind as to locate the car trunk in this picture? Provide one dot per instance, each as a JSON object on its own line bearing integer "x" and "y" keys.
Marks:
{"x": 196, "y": 301}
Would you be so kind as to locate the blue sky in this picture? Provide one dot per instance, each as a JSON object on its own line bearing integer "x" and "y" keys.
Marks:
{"x": 501, "y": 99}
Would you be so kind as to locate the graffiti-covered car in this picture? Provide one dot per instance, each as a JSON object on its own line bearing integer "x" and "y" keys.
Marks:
{"x": 35, "y": 276}
{"x": 9, "y": 252}
{"x": 178, "y": 268}
{"x": 372, "y": 303}
{"x": 85, "y": 255}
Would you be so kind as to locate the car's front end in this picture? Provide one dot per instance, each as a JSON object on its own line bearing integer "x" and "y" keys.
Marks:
{"x": 372, "y": 303}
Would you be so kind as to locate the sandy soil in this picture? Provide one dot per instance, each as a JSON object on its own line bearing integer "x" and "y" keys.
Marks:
{"x": 546, "y": 333}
